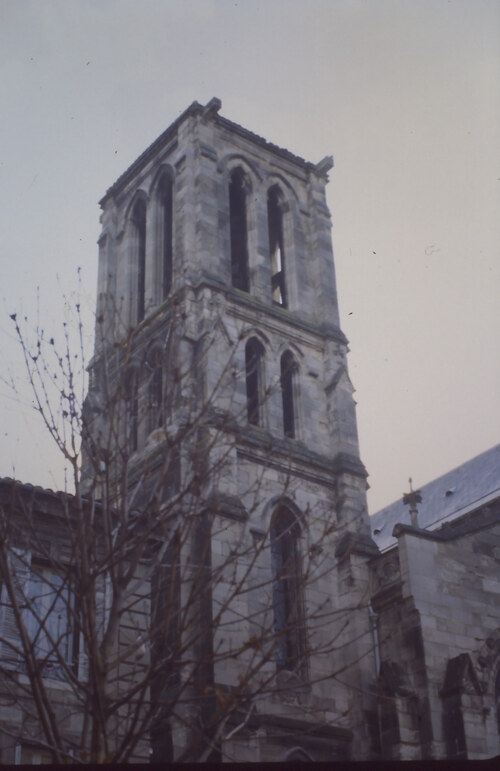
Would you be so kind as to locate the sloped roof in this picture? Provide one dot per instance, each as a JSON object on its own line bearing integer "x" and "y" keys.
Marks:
{"x": 461, "y": 490}
{"x": 9, "y": 482}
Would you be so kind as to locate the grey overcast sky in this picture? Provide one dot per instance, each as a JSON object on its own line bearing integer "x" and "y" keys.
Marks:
{"x": 404, "y": 94}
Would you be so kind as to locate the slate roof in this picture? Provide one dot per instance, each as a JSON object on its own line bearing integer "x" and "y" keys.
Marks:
{"x": 461, "y": 490}
{"x": 8, "y": 482}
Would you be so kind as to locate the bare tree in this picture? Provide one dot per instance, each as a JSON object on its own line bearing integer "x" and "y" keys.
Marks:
{"x": 148, "y": 612}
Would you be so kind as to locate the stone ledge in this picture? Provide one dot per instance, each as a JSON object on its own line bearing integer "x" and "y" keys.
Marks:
{"x": 228, "y": 506}
{"x": 293, "y": 449}
{"x": 449, "y": 531}
{"x": 292, "y": 726}
{"x": 211, "y": 281}
{"x": 356, "y": 543}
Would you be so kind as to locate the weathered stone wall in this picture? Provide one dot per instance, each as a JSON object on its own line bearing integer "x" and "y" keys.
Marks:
{"x": 448, "y": 583}
{"x": 318, "y": 471}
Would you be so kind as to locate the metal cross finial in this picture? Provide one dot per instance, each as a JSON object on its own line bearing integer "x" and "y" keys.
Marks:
{"x": 411, "y": 499}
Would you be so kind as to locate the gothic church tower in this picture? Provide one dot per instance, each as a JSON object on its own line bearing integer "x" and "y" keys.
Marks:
{"x": 216, "y": 265}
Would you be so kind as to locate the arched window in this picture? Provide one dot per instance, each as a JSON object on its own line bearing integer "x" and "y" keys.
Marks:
{"x": 155, "y": 390}
{"x": 276, "y": 246}
{"x": 139, "y": 221}
{"x": 165, "y": 232}
{"x": 288, "y": 369}
{"x": 254, "y": 353}
{"x": 238, "y": 230}
{"x": 131, "y": 409}
{"x": 287, "y": 599}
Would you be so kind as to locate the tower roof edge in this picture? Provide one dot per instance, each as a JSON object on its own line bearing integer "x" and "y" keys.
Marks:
{"x": 207, "y": 112}
{"x": 195, "y": 108}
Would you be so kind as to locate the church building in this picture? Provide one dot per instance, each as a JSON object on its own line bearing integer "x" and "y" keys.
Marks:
{"x": 270, "y": 618}
{"x": 407, "y": 664}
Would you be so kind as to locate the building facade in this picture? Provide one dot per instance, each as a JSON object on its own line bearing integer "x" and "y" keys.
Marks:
{"x": 253, "y": 610}
{"x": 243, "y": 233}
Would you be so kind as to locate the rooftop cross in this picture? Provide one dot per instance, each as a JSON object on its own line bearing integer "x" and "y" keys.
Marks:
{"x": 411, "y": 499}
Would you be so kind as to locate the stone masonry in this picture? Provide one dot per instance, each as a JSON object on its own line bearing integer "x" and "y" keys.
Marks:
{"x": 269, "y": 281}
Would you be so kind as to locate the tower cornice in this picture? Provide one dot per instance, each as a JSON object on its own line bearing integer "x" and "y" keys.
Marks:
{"x": 206, "y": 113}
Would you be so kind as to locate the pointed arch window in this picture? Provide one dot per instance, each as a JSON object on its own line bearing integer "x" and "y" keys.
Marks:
{"x": 155, "y": 389}
{"x": 288, "y": 370}
{"x": 238, "y": 230}
{"x": 254, "y": 353}
{"x": 165, "y": 197}
{"x": 139, "y": 221}
{"x": 287, "y": 594}
{"x": 276, "y": 246}
{"x": 131, "y": 410}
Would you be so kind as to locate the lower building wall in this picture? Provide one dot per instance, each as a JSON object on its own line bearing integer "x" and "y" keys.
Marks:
{"x": 439, "y": 622}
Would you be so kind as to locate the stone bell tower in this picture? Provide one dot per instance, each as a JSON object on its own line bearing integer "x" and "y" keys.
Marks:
{"x": 231, "y": 235}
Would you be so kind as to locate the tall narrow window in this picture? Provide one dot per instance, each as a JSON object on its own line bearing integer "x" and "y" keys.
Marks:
{"x": 204, "y": 645}
{"x": 49, "y": 619}
{"x": 13, "y": 592}
{"x": 253, "y": 371}
{"x": 131, "y": 409}
{"x": 497, "y": 699}
{"x": 165, "y": 619}
{"x": 40, "y": 601}
{"x": 238, "y": 230}
{"x": 155, "y": 390}
{"x": 288, "y": 368}
{"x": 165, "y": 645}
{"x": 276, "y": 248}
{"x": 166, "y": 221}
{"x": 287, "y": 604}
{"x": 139, "y": 220}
